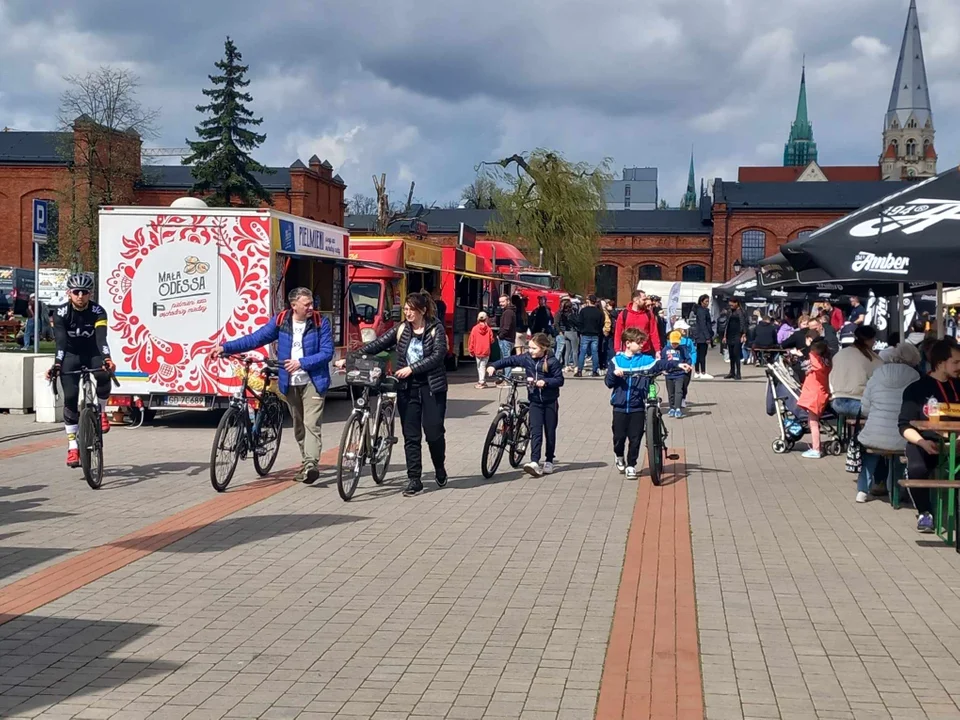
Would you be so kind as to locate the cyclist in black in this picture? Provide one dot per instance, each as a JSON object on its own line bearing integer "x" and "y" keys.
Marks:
{"x": 80, "y": 330}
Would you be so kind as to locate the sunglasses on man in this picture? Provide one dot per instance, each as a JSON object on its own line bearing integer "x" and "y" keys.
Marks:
{"x": 79, "y": 293}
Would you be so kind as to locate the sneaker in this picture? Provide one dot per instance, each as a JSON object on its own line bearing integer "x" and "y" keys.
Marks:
{"x": 925, "y": 523}
{"x": 413, "y": 487}
{"x": 594, "y": 374}
{"x": 862, "y": 497}
{"x": 621, "y": 465}
{"x": 696, "y": 376}
{"x": 73, "y": 457}
{"x": 311, "y": 475}
{"x": 678, "y": 414}
{"x": 533, "y": 469}
{"x": 631, "y": 473}
{"x": 547, "y": 468}
{"x": 706, "y": 376}
{"x": 578, "y": 374}
{"x": 104, "y": 423}
{"x": 442, "y": 477}
{"x": 812, "y": 454}
{"x": 683, "y": 403}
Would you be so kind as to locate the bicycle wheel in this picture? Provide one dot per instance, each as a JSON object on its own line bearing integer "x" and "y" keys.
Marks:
{"x": 226, "y": 448}
{"x": 91, "y": 447}
{"x": 383, "y": 441}
{"x": 521, "y": 438}
{"x": 655, "y": 444}
{"x": 266, "y": 436}
{"x": 350, "y": 458}
{"x": 494, "y": 445}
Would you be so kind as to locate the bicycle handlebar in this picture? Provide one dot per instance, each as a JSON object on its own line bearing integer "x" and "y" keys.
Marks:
{"x": 248, "y": 360}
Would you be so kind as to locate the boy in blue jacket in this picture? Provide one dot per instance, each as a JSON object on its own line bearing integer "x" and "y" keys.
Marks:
{"x": 544, "y": 379}
{"x": 629, "y": 396}
{"x": 676, "y": 378}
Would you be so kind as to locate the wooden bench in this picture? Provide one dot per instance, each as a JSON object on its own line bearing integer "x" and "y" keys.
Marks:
{"x": 9, "y": 329}
{"x": 939, "y": 520}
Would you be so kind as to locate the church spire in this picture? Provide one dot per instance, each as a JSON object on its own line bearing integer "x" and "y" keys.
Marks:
{"x": 800, "y": 149}
{"x": 689, "y": 201}
{"x": 908, "y": 125}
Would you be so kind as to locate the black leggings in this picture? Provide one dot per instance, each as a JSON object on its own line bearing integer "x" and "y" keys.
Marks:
{"x": 543, "y": 422}
{"x": 702, "y": 358}
{"x": 421, "y": 408}
{"x": 71, "y": 384}
{"x": 736, "y": 357}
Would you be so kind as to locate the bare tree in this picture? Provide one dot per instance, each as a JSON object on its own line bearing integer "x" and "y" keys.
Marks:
{"x": 107, "y": 125}
{"x": 480, "y": 193}
{"x": 361, "y": 204}
{"x": 387, "y": 212}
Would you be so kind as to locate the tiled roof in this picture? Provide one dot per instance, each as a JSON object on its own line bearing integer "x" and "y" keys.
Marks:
{"x": 180, "y": 177}
{"x": 35, "y": 148}
{"x": 616, "y": 222}
{"x": 802, "y": 195}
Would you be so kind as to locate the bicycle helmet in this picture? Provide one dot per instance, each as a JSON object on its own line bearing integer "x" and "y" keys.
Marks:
{"x": 80, "y": 281}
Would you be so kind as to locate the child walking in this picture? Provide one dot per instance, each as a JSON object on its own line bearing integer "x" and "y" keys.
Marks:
{"x": 544, "y": 379}
{"x": 629, "y": 393}
{"x": 481, "y": 338}
{"x": 816, "y": 390}
{"x": 677, "y": 378}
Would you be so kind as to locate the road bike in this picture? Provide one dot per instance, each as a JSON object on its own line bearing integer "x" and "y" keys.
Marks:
{"x": 655, "y": 430}
{"x": 362, "y": 443}
{"x": 251, "y": 425}
{"x": 89, "y": 428}
{"x": 510, "y": 429}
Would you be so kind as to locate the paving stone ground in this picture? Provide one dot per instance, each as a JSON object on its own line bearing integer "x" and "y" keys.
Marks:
{"x": 487, "y": 599}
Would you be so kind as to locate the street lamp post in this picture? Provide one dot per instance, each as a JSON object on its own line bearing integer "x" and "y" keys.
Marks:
{"x": 737, "y": 266}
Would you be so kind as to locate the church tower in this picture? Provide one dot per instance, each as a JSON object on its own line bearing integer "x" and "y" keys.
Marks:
{"x": 800, "y": 149}
{"x": 690, "y": 200}
{"x": 908, "y": 126}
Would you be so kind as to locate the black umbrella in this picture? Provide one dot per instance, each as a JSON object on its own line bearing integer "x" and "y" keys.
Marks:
{"x": 777, "y": 273}
{"x": 911, "y": 236}
{"x": 747, "y": 286}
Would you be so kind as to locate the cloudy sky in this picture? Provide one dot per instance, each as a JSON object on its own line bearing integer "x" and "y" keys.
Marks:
{"x": 423, "y": 90}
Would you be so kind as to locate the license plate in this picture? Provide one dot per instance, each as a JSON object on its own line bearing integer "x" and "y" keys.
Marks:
{"x": 185, "y": 401}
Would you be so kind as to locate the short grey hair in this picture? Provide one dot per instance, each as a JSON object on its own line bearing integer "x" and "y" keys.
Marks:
{"x": 299, "y": 292}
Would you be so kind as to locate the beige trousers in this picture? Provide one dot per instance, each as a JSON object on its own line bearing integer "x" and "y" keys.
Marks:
{"x": 306, "y": 408}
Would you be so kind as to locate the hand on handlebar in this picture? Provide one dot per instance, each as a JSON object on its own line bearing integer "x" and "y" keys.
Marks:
{"x": 109, "y": 365}
{"x": 491, "y": 371}
{"x": 53, "y": 372}
{"x": 217, "y": 352}
{"x": 340, "y": 364}
{"x": 618, "y": 372}
{"x": 403, "y": 373}
{"x": 686, "y": 368}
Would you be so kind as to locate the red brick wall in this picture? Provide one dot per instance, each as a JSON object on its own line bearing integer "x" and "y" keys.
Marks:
{"x": 19, "y": 185}
{"x": 780, "y": 226}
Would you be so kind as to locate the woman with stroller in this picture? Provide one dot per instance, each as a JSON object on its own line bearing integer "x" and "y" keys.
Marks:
{"x": 881, "y": 401}
{"x": 815, "y": 391}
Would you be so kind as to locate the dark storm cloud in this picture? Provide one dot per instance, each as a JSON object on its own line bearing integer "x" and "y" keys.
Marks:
{"x": 424, "y": 90}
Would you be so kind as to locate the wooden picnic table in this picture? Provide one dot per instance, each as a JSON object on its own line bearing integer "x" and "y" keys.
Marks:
{"x": 9, "y": 329}
{"x": 948, "y": 431}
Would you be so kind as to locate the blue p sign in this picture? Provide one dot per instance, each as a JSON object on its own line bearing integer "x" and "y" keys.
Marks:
{"x": 40, "y": 208}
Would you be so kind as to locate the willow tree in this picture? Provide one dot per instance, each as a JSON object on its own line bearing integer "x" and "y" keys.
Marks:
{"x": 545, "y": 202}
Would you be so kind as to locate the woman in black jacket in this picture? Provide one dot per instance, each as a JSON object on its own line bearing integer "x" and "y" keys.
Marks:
{"x": 702, "y": 333}
{"x": 422, "y": 397}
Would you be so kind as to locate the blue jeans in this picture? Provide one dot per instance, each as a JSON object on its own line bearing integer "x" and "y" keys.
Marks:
{"x": 846, "y": 406}
{"x": 506, "y": 348}
{"x": 591, "y": 344}
{"x": 558, "y": 353}
{"x": 28, "y": 334}
{"x": 872, "y": 467}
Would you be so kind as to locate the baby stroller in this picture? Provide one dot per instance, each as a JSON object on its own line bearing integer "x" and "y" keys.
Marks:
{"x": 783, "y": 391}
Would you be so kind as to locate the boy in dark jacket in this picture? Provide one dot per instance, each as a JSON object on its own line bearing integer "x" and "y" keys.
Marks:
{"x": 544, "y": 380}
{"x": 680, "y": 352}
{"x": 629, "y": 396}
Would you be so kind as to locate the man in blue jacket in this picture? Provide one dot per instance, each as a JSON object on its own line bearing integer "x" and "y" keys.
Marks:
{"x": 304, "y": 351}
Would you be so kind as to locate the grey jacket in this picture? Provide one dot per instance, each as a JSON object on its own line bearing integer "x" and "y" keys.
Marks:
{"x": 881, "y": 403}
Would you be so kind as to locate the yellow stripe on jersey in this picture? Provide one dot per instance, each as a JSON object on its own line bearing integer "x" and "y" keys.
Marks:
{"x": 100, "y": 323}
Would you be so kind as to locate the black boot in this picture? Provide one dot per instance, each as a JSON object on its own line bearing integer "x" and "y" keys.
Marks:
{"x": 413, "y": 488}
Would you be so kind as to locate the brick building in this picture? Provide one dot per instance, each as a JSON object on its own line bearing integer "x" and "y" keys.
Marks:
{"x": 635, "y": 244}
{"x": 50, "y": 165}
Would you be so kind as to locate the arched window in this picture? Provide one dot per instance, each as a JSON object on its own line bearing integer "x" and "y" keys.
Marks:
{"x": 896, "y": 145}
{"x": 804, "y": 233}
{"x": 926, "y": 144}
{"x": 753, "y": 247}
{"x": 693, "y": 273}
{"x": 911, "y": 147}
{"x": 650, "y": 272}
{"x": 605, "y": 281}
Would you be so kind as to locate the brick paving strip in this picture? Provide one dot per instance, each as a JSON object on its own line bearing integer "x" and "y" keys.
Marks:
{"x": 30, "y": 447}
{"x": 54, "y": 582}
{"x": 652, "y": 667}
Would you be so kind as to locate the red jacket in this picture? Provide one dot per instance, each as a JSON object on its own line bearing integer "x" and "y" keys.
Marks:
{"x": 836, "y": 319}
{"x": 481, "y": 337}
{"x": 644, "y": 320}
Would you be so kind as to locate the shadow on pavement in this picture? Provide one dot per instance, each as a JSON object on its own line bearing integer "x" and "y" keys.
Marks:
{"x": 135, "y": 474}
{"x": 461, "y": 407}
{"x": 505, "y": 473}
{"x": 17, "y": 559}
{"x": 50, "y": 660}
{"x": 232, "y": 532}
{"x": 18, "y": 511}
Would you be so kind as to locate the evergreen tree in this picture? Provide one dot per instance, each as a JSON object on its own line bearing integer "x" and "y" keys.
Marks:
{"x": 221, "y": 157}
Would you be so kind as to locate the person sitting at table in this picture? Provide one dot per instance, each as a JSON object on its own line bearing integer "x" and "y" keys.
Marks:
{"x": 881, "y": 402}
{"x": 852, "y": 368}
{"x": 923, "y": 449}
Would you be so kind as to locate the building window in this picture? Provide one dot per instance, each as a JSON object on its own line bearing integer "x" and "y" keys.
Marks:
{"x": 804, "y": 233}
{"x": 626, "y": 196}
{"x": 693, "y": 273}
{"x": 912, "y": 123}
{"x": 649, "y": 272}
{"x": 753, "y": 247}
{"x": 605, "y": 281}
{"x": 911, "y": 147}
{"x": 896, "y": 146}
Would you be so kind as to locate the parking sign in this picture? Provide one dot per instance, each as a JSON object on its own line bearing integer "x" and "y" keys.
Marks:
{"x": 40, "y": 208}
